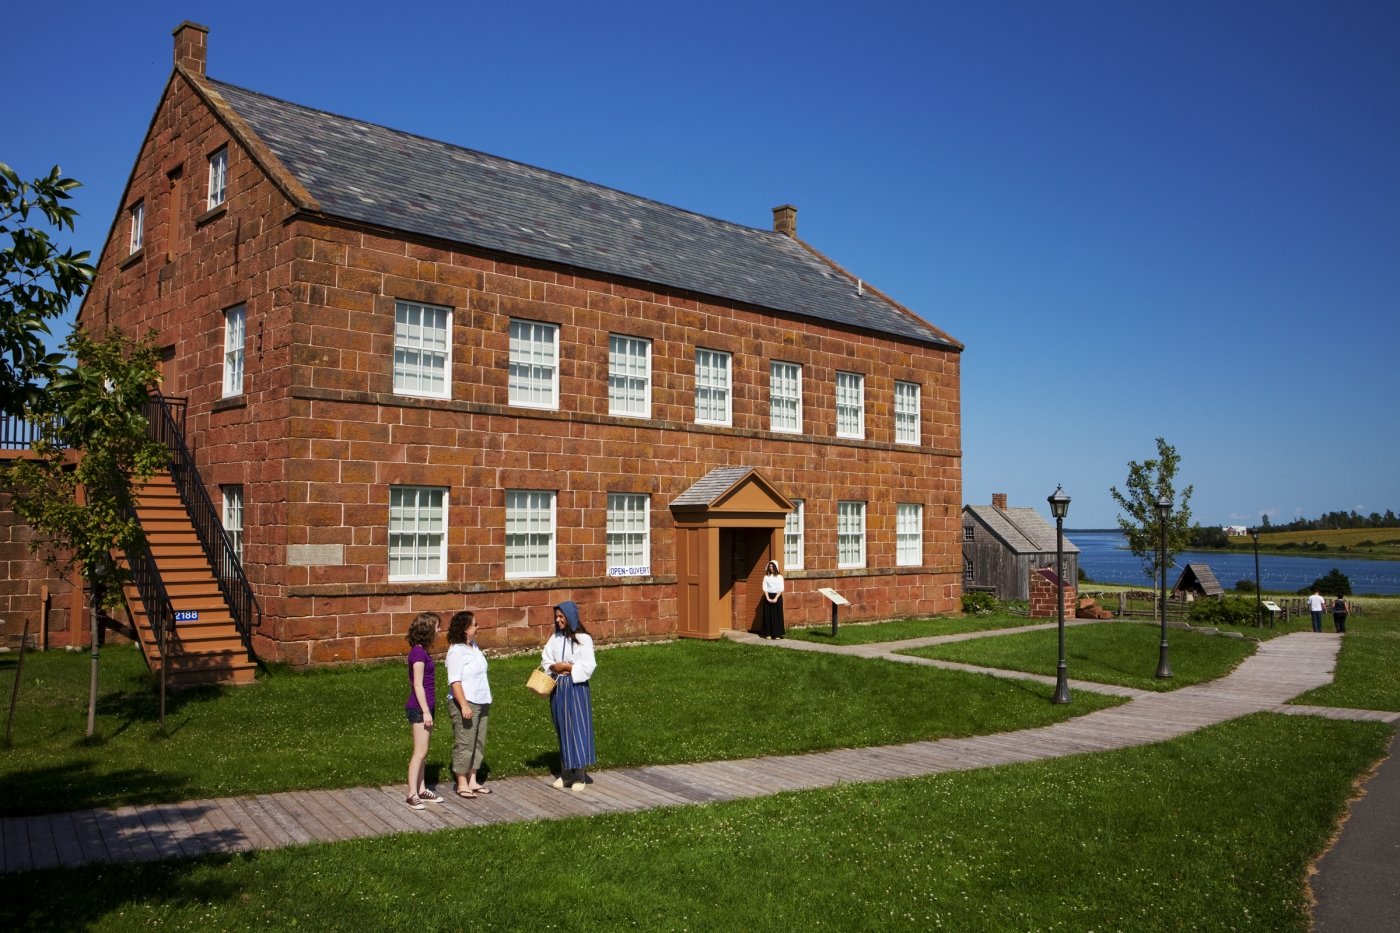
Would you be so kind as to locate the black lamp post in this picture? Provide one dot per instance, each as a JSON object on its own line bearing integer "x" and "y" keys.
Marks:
{"x": 1059, "y": 507}
{"x": 1164, "y": 508}
{"x": 1258, "y": 595}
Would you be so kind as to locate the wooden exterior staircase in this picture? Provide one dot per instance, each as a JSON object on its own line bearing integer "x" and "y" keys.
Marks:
{"x": 205, "y": 645}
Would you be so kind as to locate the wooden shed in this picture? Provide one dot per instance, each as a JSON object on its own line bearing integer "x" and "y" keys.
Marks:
{"x": 1002, "y": 545}
{"x": 1198, "y": 580}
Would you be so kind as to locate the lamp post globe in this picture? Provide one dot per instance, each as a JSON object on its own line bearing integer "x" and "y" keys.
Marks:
{"x": 1163, "y": 506}
{"x": 1059, "y": 507}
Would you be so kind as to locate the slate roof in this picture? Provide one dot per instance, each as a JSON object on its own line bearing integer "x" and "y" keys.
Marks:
{"x": 368, "y": 173}
{"x": 711, "y": 486}
{"x": 1022, "y": 530}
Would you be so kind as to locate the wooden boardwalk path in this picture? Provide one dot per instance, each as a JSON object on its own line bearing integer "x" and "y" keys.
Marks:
{"x": 1280, "y": 670}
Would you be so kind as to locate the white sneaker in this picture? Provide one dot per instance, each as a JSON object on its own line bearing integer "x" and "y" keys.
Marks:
{"x": 559, "y": 782}
{"x": 578, "y": 787}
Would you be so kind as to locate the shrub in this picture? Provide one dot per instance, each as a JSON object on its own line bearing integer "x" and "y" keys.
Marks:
{"x": 1335, "y": 583}
{"x": 1244, "y": 586}
{"x": 1224, "y": 610}
{"x": 979, "y": 603}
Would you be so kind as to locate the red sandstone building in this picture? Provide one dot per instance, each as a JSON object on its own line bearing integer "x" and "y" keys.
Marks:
{"x": 419, "y": 377}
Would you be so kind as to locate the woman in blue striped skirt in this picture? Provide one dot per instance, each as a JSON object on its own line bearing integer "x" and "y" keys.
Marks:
{"x": 568, "y": 655}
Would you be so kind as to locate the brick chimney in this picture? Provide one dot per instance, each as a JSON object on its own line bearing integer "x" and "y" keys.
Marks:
{"x": 191, "y": 46}
{"x": 785, "y": 220}
{"x": 999, "y": 501}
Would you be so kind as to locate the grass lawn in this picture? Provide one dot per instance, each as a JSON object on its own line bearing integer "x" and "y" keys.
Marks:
{"x": 1212, "y": 831}
{"x": 1368, "y": 670}
{"x": 900, "y": 629}
{"x": 675, "y": 702}
{"x": 1122, "y": 653}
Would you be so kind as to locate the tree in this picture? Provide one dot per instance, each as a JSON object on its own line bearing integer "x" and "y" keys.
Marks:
{"x": 1148, "y": 481}
{"x": 1335, "y": 583}
{"x": 92, "y": 448}
{"x": 37, "y": 284}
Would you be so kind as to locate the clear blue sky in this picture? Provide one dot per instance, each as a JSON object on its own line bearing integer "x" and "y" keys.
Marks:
{"x": 1142, "y": 218}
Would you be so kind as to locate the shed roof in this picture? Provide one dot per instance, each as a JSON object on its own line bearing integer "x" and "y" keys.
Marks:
{"x": 371, "y": 174}
{"x": 1200, "y": 578}
{"x": 1022, "y": 530}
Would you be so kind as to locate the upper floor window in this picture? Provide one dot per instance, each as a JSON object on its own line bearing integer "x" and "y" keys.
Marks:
{"x": 417, "y": 533}
{"x": 233, "y": 518}
{"x": 850, "y": 534}
{"x": 218, "y": 179}
{"x": 969, "y": 533}
{"x": 850, "y": 405}
{"x": 534, "y": 364}
{"x": 909, "y": 534}
{"x": 785, "y": 397}
{"x": 235, "y": 331}
{"x": 906, "y": 412}
{"x": 422, "y": 349}
{"x": 629, "y": 376}
{"x": 529, "y": 533}
{"x": 138, "y": 227}
{"x": 712, "y": 401}
{"x": 792, "y": 537}
{"x": 629, "y": 535}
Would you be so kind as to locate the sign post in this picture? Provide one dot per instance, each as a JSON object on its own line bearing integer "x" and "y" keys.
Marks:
{"x": 837, "y": 600}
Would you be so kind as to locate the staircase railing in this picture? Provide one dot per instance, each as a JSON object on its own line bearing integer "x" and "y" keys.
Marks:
{"x": 160, "y": 613}
{"x": 165, "y": 420}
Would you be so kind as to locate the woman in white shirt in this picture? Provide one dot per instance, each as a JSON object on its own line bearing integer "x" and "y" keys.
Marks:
{"x": 771, "y": 625}
{"x": 568, "y": 656}
{"x": 470, "y": 703}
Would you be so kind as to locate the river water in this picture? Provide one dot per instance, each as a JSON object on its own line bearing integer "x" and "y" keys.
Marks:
{"x": 1105, "y": 558}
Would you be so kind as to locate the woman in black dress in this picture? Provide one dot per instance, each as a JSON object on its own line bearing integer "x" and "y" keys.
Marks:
{"x": 772, "y": 622}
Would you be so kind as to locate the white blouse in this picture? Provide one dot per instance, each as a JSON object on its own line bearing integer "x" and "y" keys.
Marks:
{"x": 772, "y": 583}
{"x": 560, "y": 649}
{"x": 467, "y": 665}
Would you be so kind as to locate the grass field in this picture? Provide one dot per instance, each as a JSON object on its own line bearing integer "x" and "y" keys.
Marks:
{"x": 1354, "y": 542}
{"x": 1212, "y": 831}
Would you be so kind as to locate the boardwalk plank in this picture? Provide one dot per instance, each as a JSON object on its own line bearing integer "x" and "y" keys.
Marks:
{"x": 89, "y": 834}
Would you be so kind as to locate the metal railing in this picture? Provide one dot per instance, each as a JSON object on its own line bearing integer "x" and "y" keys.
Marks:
{"x": 165, "y": 420}
{"x": 17, "y": 433}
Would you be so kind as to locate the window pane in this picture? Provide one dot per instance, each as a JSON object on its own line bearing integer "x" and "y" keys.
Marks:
{"x": 850, "y": 405}
{"x": 629, "y": 551}
{"x": 785, "y": 397}
{"x": 629, "y": 376}
{"x": 792, "y": 537}
{"x": 906, "y": 413}
{"x": 218, "y": 178}
{"x": 711, "y": 387}
{"x": 138, "y": 226}
{"x": 233, "y": 518}
{"x": 534, "y": 364}
{"x": 850, "y": 534}
{"x": 417, "y": 533}
{"x": 235, "y": 326}
{"x": 909, "y": 535}
{"x": 529, "y": 533}
{"x": 422, "y": 349}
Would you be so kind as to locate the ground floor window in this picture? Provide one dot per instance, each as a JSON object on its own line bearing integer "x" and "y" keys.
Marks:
{"x": 629, "y": 535}
{"x": 792, "y": 537}
{"x": 850, "y": 534}
{"x": 909, "y": 534}
{"x": 417, "y": 533}
{"x": 233, "y": 518}
{"x": 530, "y": 533}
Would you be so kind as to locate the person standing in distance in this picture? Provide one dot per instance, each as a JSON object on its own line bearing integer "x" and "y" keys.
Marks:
{"x": 1340, "y": 610}
{"x": 469, "y": 705}
{"x": 772, "y": 621}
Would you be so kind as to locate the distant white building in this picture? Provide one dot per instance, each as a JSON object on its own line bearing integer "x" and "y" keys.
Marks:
{"x": 1235, "y": 531}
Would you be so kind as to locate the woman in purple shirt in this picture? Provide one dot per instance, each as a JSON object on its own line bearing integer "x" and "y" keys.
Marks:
{"x": 422, "y": 700}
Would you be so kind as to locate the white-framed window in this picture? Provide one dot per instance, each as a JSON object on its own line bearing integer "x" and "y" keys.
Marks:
{"x": 218, "y": 178}
{"x": 850, "y": 405}
{"x": 785, "y": 397}
{"x": 712, "y": 396}
{"x": 629, "y": 535}
{"x": 529, "y": 533}
{"x": 417, "y": 533}
{"x": 138, "y": 227}
{"x": 534, "y": 364}
{"x": 909, "y": 534}
{"x": 629, "y": 376}
{"x": 233, "y": 518}
{"x": 235, "y": 337}
{"x": 793, "y": 529}
{"x": 906, "y": 412}
{"x": 850, "y": 534}
{"x": 422, "y": 349}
